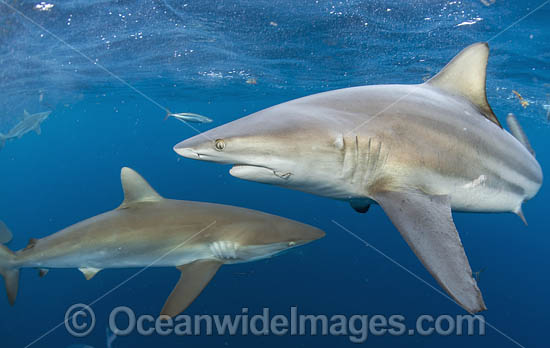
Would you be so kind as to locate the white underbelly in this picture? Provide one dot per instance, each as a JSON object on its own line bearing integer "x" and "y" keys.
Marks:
{"x": 485, "y": 193}
{"x": 121, "y": 258}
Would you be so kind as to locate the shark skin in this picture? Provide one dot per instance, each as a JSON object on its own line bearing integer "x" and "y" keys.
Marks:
{"x": 29, "y": 123}
{"x": 418, "y": 151}
{"x": 148, "y": 230}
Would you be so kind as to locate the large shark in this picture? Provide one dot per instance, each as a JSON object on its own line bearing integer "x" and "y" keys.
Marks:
{"x": 29, "y": 123}
{"x": 419, "y": 151}
{"x": 150, "y": 231}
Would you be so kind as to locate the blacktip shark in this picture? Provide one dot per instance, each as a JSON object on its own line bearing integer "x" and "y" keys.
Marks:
{"x": 419, "y": 151}
{"x": 30, "y": 122}
{"x": 148, "y": 230}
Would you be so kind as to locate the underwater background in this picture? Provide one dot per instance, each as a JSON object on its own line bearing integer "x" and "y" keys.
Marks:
{"x": 225, "y": 60}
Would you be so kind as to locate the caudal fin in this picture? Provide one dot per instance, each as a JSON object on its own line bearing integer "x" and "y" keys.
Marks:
{"x": 7, "y": 270}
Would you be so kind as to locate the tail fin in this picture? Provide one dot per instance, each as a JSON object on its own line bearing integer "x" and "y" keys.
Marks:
{"x": 10, "y": 274}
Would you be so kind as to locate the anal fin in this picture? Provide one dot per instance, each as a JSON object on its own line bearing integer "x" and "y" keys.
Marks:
{"x": 426, "y": 224}
{"x": 194, "y": 278}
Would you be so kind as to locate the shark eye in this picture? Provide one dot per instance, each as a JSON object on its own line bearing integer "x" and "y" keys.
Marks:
{"x": 219, "y": 144}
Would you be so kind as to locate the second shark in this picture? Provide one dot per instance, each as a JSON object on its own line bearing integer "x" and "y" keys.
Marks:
{"x": 148, "y": 230}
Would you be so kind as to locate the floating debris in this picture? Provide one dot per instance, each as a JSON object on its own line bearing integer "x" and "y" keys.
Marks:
{"x": 273, "y": 24}
{"x": 188, "y": 117}
{"x": 252, "y": 81}
{"x": 522, "y": 101}
{"x": 43, "y": 6}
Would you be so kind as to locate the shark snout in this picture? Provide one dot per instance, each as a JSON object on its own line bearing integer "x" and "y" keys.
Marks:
{"x": 205, "y": 148}
{"x": 187, "y": 152}
{"x": 316, "y": 234}
{"x": 307, "y": 233}
{"x": 188, "y": 147}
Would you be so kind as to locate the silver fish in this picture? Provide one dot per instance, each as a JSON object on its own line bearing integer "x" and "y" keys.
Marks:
{"x": 189, "y": 117}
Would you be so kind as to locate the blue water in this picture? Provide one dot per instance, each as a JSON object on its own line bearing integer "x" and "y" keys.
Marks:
{"x": 197, "y": 56}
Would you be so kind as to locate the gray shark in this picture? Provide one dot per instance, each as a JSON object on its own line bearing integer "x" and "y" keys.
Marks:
{"x": 419, "y": 151}
{"x": 150, "y": 231}
{"x": 30, "y": 122}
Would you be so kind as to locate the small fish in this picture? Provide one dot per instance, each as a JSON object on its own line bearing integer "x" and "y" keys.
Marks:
{"x": 488, "y": 2}
{"x": 547, "y": 107}
{"x": 188, "y": 117}
{"x": 111, "y": 337}
{"x": 244, "y": 274}
{"x": 522, "y": 101}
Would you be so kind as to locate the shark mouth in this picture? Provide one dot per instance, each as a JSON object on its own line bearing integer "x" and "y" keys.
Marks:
{"x": 187, "y": 152}
{"x": 243, "y": 171}
{"x": 258, "y": 173}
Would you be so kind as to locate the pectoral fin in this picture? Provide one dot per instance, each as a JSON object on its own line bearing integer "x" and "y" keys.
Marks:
{"x": 194, "y": 278}
{"x": 426, "y": 224}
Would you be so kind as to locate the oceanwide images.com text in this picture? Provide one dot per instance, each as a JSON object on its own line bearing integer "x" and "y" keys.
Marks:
{"x": 80, "y": 321}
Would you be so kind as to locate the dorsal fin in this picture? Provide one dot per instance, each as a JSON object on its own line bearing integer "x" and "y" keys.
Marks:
{"x": 136, "y": 189}
{"x": 465, "y": 76}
